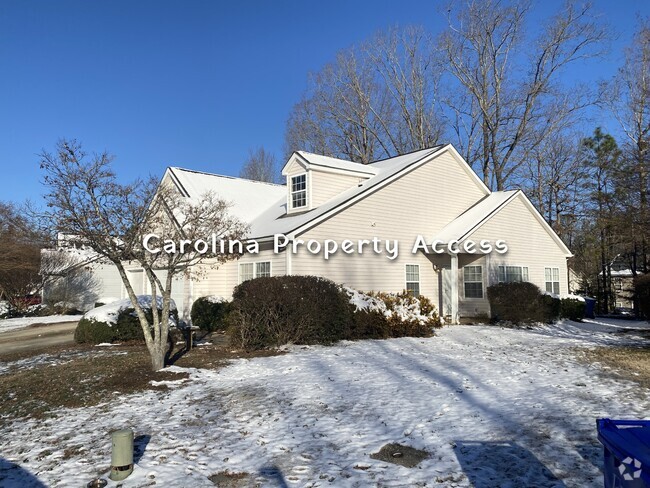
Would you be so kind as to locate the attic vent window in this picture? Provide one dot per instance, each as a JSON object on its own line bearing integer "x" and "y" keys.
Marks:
{"x": 299, "y": 191}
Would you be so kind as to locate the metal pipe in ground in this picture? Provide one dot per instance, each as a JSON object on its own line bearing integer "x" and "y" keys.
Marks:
{"x": 121, "y": 454}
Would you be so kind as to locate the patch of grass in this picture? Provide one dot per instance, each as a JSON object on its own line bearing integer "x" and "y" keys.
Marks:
{"x": 630, "y": 363}
{"x": 228, "y": 479}
{"x": 92, "y": 379}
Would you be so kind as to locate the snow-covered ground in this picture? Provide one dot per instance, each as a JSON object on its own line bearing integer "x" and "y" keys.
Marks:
{"x": 21, "y": 322}
{"x": 42, "y": 360}
{"x": 493, "y": 407}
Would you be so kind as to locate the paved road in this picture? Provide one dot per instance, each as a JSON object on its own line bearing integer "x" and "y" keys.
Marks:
{"x": 34, "y": 338}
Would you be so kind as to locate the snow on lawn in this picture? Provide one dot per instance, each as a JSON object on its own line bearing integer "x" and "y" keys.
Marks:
{"x": 22, "y": 322}
{"x": 492, "y": 406}
{"x": 53, "y": 359}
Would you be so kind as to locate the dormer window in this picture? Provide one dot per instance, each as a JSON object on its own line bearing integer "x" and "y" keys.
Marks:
{"x": 299, "y": 191}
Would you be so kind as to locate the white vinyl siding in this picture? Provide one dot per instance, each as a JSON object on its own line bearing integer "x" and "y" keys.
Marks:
{"x": 513, "y": 274}
{"x": 413, "y": 279}
{"x": 389, "y": 214}
{"x": 325, "y": 186}
{"x": 552, "y": 280}
{"x": 529, "y": 244}
{"x": 473, "y": 281}
{"x": 299, "y": 191}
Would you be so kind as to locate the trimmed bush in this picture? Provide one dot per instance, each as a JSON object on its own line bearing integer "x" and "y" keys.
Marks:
{"x": 551, "y": 307}
{"x": 572, "y": 309}
{"x": 273, "y": 311}
{"x": 406, "y": 315}
{"x": 642, "y": 293}
{"x": 209, "y": 313}
{"x": 369, "y": 324}
{"x": 522, "y": 303}
{"x": 126, "y": 328}
{"x": 269, "y": 312}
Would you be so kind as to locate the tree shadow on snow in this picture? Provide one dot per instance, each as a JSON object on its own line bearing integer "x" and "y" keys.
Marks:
{"x": 273, "y": 474}
{"x": 140, "y": 443}
{"x": 14, "y": 476}
{"x": 503, "y": 464}
{"x": 592, "y": 453}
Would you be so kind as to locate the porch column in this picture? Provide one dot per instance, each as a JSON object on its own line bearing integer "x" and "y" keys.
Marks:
{"x": 454, "y": 288}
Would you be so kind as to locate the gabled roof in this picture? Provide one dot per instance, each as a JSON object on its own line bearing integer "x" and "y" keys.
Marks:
{"x": 469, "y": 221}
{"x": 248, "y": 198}
{"x": 264, "y": 205}
{"x": 329, "y": 162}
{"x": 275, "y": 220}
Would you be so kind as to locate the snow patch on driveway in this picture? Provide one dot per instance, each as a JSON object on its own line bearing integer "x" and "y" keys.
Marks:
{"x": 21, "y": 322}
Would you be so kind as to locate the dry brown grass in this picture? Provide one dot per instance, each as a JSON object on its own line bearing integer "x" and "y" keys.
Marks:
{"x": 630, "y": 363}
{"x": 89, "y": 379}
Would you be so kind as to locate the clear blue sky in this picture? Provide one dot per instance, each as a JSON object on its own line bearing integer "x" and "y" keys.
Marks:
{"x": 187, "y": 83}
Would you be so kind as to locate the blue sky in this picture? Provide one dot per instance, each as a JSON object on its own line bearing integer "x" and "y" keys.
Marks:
{"x": 194, "y": 83}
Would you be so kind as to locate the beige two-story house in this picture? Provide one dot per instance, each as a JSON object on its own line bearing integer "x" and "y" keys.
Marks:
{"x": 422, "y": 222}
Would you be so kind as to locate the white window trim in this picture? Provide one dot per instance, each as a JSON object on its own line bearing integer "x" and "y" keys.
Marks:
{"x": 254, "y": 263}
{"x": 559, "y": 281}
{"x": 406, "y": 281}
{"x": 307, "y": 191}
{"x": 513, "y": 266}
{"x": 482, "y": 282}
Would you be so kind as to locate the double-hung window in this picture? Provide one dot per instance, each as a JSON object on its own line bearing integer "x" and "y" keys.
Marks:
{"x": 413, "y": 279}
{"x": 299, "y": 191}
{"x": 249, "y": 271}
{"x": 263, "y": 269}
{"x": 510, "y": 274}
{"x": 473, "y": 281}
{"x": 552, "y": 279}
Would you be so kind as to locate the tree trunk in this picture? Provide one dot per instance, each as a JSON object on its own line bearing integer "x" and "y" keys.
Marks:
{"x": 158, "y": 357}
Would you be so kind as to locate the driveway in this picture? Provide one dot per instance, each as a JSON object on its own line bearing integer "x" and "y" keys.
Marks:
{"x": 37, "y": 337}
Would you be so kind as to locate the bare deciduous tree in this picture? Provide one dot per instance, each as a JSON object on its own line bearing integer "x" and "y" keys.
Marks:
{"x": 375, "y": 100}
{"x": 20, "y": 255}
{"x": 554, "y": 174}
{"x": 85, "y": 199}
{"x": 628, "y": 97}
{"x": 505, "y": 99}
{"x": 260, "y": 166}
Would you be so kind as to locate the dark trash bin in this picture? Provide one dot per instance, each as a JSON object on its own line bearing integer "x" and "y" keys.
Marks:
{"x": 590, "y": 307}
{"x": 627, "y": 452}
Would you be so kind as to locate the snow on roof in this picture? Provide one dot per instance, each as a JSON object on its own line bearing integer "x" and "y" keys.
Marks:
{"x": 329, "y": 162}
{"x": 275, "y": 221}
{"x": 465, "y": 223}
{"x": 248, "y": 198}
{"x": 622, "y": 273}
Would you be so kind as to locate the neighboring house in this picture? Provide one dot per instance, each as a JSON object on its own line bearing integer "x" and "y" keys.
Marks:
{"x": 432, "y": 193}
{"x": 74, "y": 275}
{"x": 623, "y": 288}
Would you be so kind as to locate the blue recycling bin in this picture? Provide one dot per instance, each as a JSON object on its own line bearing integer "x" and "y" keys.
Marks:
{"x": 627, "y": 452}
{"x": 590, "y": 307}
